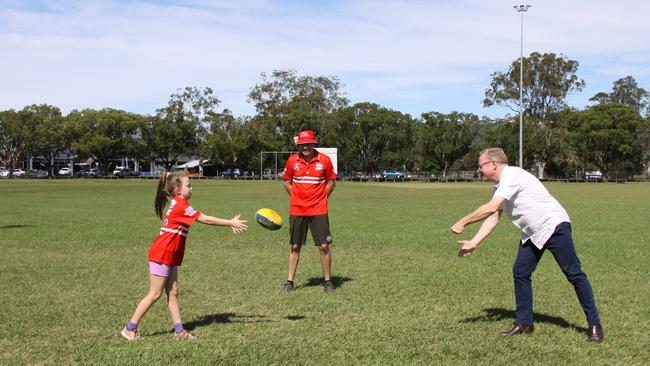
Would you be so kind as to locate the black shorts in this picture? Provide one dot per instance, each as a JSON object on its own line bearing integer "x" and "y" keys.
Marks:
{"x": 318, "y": 225}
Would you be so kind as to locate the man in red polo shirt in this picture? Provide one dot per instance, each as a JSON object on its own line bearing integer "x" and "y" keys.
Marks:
{"x": 309, "y": 178}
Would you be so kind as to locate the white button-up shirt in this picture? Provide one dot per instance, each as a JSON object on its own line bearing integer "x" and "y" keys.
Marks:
{"x": 529, "y": 205}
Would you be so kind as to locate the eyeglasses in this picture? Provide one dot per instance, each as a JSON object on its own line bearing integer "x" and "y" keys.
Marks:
{"x": 480, "y": 166}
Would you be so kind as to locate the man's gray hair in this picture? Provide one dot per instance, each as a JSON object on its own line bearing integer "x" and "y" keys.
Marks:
{"x": 496, "y": 154}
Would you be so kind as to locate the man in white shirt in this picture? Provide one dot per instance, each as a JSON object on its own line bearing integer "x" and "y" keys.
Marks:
{"x": 544, "y": 224}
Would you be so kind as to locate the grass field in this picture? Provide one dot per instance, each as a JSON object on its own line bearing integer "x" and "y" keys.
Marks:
{"x": 74, "y": 267}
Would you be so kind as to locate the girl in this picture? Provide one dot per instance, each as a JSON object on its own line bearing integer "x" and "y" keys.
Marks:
{"x": 166, "y": 252}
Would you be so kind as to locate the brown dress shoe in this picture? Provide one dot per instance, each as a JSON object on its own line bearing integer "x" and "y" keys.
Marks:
{"x": 518, "y": 329}
{"x": 595, "y": 333}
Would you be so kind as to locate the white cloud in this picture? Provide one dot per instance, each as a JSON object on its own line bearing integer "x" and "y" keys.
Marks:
{"x": 406, "y": 54}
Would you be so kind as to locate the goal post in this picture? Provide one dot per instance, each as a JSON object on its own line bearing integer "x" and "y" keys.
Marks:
{"x": 275, "y": 155}
{"x": 331, "y": 152}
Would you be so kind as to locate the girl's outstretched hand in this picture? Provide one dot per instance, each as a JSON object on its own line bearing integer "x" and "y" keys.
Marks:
{"x": 237, "y": 225}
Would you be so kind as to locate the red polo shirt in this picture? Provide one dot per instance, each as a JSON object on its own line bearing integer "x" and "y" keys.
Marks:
{"x": 169, "y": 247}
{"x": 308, "y": 181}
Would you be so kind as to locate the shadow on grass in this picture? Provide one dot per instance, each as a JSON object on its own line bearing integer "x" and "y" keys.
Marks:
{"x": 498, "y": 314}
{"x": 12, "y": 226}
{"x": 225, "y": 318}
{"x": 295, "y": 317}
{"x": 318, "y": 281}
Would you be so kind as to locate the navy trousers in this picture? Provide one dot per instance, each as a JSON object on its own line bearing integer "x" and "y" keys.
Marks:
{"x": 561, "y": 246}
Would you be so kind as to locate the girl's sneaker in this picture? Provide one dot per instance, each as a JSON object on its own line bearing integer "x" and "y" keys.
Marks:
{"x": 184, "y": 336}
{"x": 287, "y": 287}
{"x": 131, "y": 335}
{"x": 329, "y": 287}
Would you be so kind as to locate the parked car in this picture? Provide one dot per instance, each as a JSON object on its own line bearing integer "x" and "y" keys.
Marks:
{"x": 87, "y": 173}
{"x": 146, "y": 174}
{"x": 36, "y": 174}
{"x": 65, "y": 171}
{"x": 271, "y": 175}
{"x": 392, "y": 174}
{"x": 122, "y": 171}
{"x": 19, "y": 172}
{"x": 95, "y": 173}
{"x": 594, "y": 175}
{"x": 16, "y": 173}
{"x": 231, "y": 173}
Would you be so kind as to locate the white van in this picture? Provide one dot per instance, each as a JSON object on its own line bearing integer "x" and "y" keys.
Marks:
{"x": 594, "y": 175}
{"x": 122, "y": 171}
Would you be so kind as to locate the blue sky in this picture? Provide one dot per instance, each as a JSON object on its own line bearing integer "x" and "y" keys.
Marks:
{"x": 411, "y": 56}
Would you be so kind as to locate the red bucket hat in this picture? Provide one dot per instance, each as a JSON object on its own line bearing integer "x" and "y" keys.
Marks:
{"x": 306, "y": 137}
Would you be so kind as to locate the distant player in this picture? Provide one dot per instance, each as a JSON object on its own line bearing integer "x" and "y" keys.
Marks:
{"x": 544, "y": 224}
{"x": 309, "y": 179}
{"x": 166, "y": 252}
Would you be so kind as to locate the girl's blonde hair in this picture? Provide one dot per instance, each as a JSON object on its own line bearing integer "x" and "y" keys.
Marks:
{"x": 168, "y": 183}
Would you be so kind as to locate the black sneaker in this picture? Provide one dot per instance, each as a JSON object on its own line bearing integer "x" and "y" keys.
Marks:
{"x": 287, "y": 287}
{"x": 329, "y": 287}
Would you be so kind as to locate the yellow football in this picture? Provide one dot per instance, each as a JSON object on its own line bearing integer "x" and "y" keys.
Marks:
{"x": 268, "y": 218}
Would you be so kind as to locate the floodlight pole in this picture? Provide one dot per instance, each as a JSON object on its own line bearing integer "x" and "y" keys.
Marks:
{"x": 521, "y": 9}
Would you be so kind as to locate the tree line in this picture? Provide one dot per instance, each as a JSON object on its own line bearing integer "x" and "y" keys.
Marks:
{"x": 559, "y": 140}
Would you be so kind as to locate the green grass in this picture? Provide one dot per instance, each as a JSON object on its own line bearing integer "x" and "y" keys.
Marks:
{"x": 74, "y": 267}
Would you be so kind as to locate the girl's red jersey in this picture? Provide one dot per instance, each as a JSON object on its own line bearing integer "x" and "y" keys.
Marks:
{"x": 169, "y": 247}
